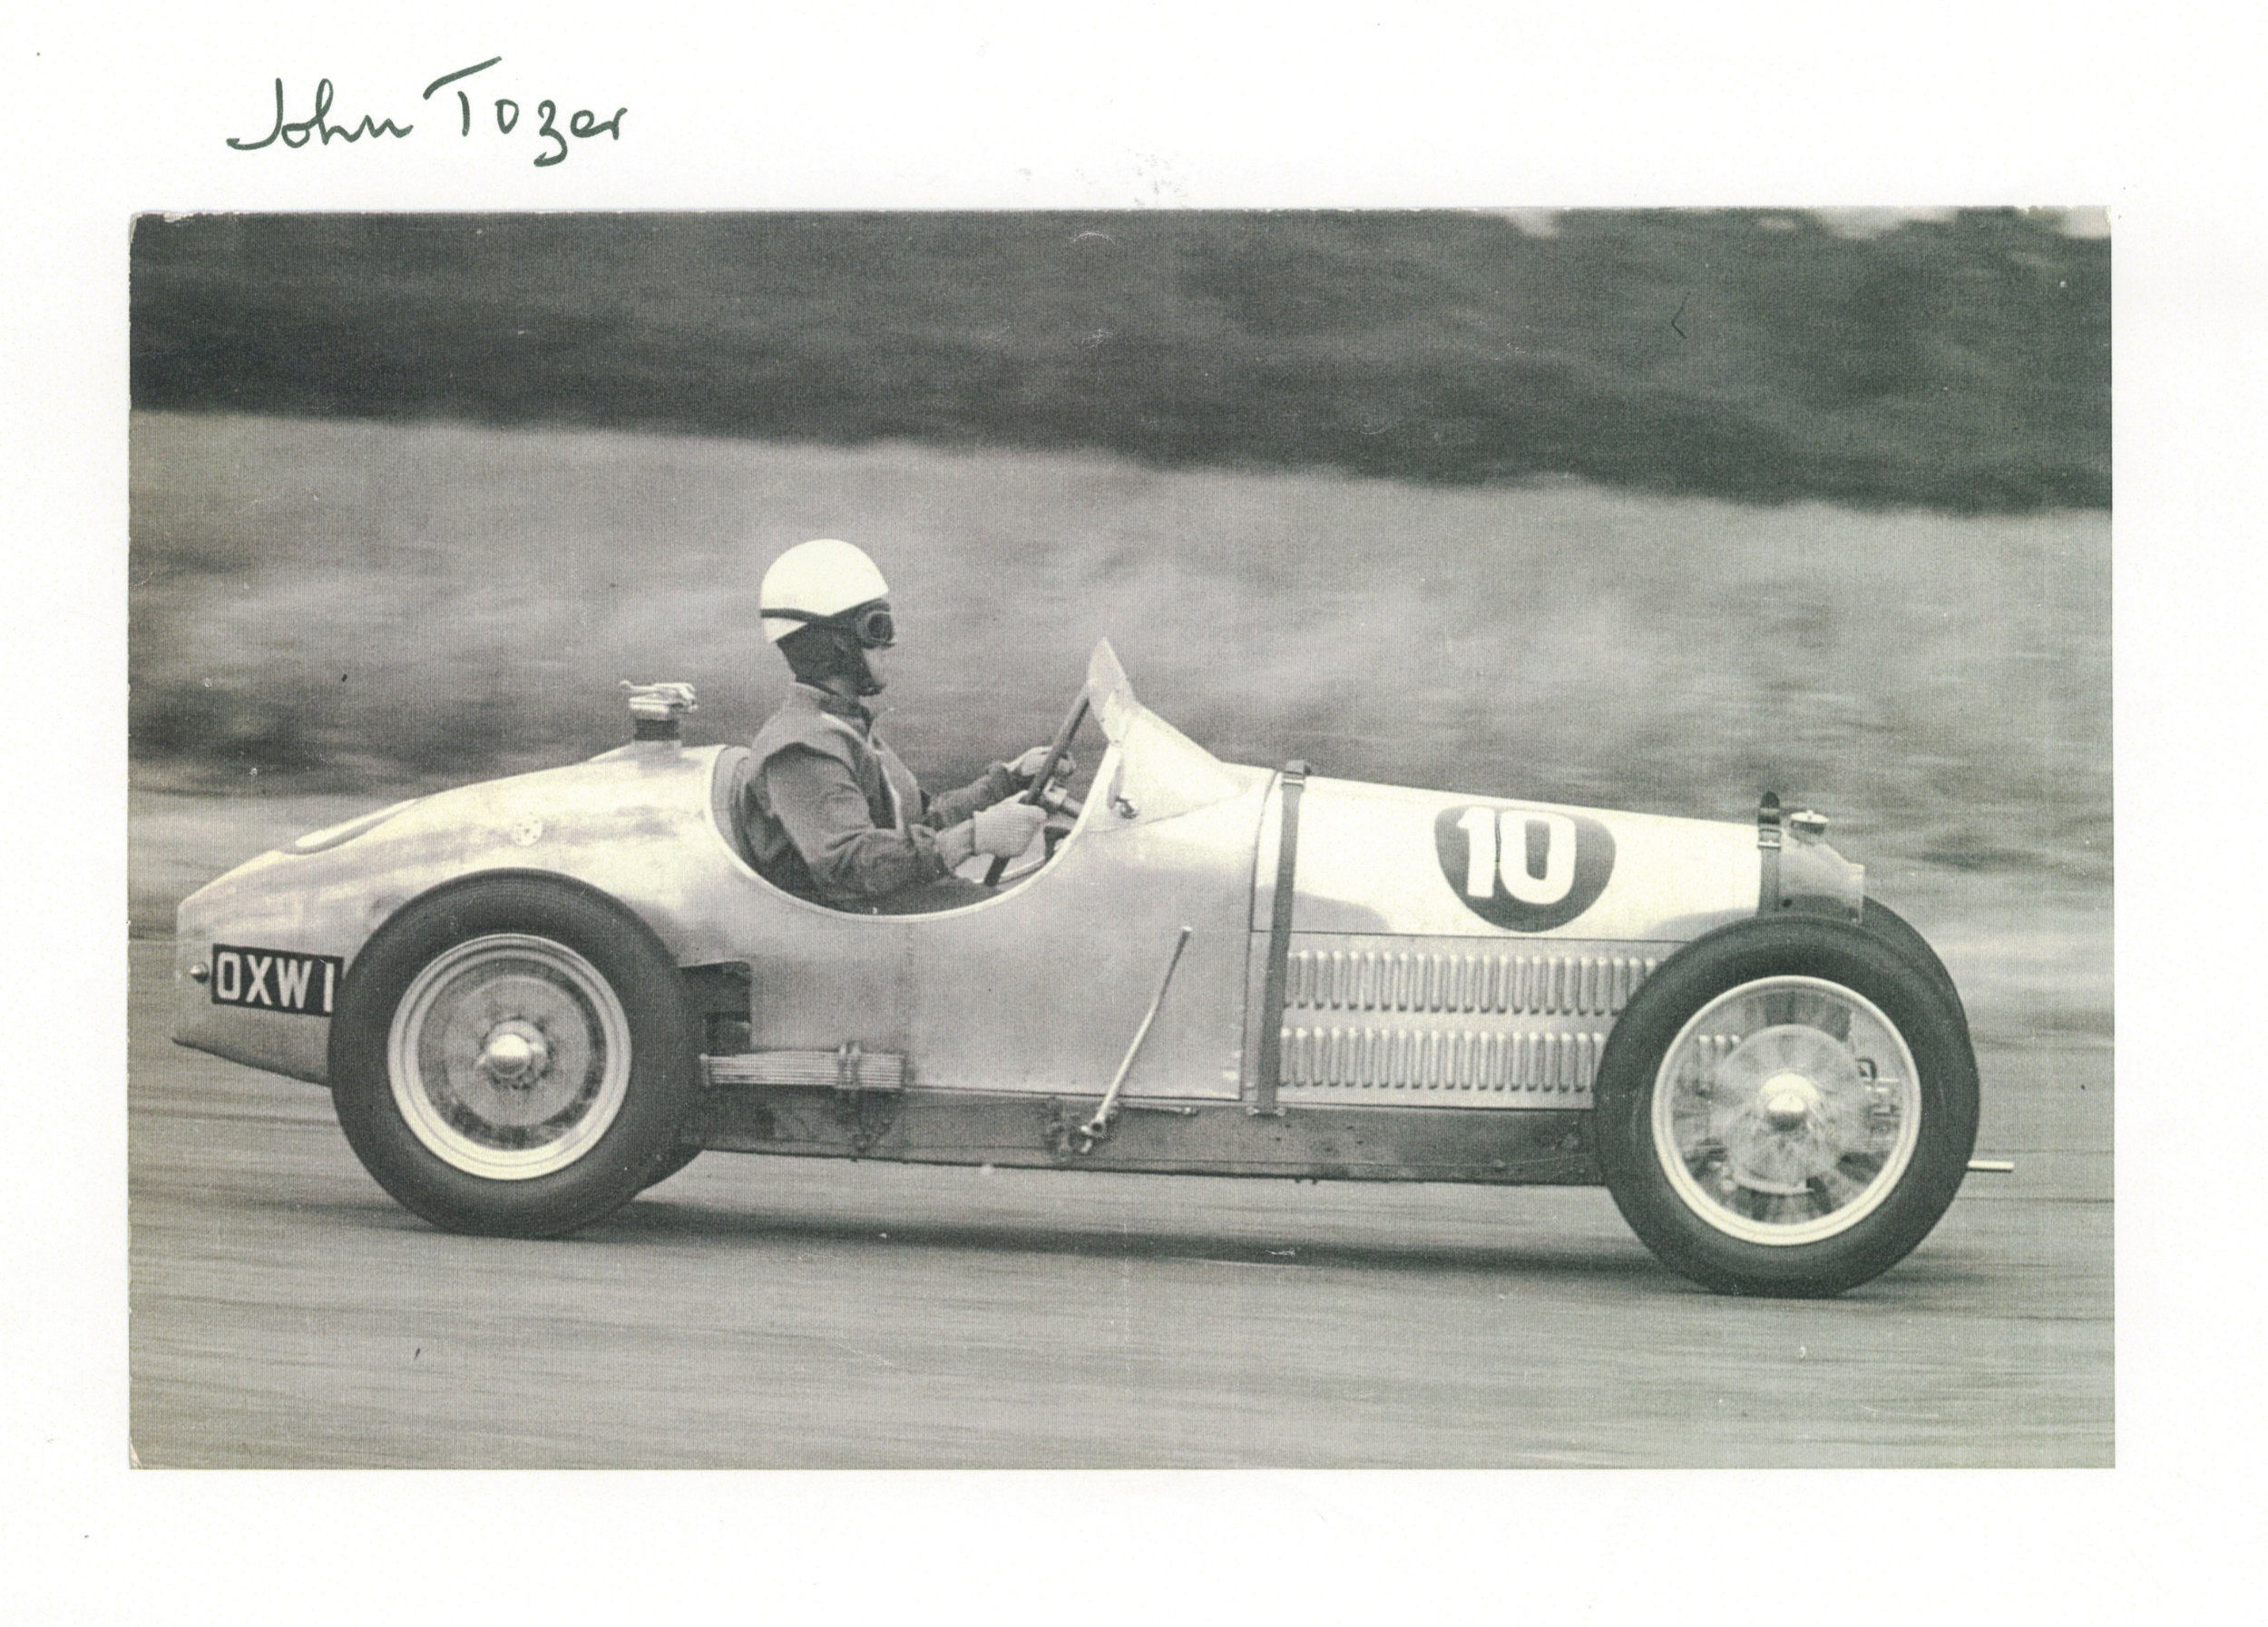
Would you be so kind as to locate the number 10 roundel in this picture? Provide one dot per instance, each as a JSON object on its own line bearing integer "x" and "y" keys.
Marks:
{"x": 1526, "y": 869}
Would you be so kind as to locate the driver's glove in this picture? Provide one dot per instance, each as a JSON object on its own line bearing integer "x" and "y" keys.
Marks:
{"x": 1007, "y": 828}
{"x": 1026, "y": 768}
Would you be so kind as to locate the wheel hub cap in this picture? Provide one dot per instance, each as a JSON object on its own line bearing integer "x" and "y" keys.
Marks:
{"x": 516, "y": 1056}
{"x": 1788, "y": 1100}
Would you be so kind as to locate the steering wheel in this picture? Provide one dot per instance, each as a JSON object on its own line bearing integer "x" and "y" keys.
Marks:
{"x": 1036, "y": 791}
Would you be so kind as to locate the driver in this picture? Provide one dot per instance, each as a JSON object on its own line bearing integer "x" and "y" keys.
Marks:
{"x": 832, "y": 814}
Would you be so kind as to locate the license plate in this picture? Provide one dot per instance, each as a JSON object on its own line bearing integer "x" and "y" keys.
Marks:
{"x": 275, "y": 979}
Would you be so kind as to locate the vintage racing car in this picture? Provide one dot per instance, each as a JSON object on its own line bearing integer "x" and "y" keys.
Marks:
{"x": 533, "y": 997}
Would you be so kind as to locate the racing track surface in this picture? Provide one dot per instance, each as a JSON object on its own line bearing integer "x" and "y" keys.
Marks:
{"x": 758, "y": 1312}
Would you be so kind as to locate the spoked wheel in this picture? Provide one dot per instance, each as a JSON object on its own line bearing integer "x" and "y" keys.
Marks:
{"x": 1786, "y": 1110}
{"x": 513, "y": 1056}
{"x": 509, "y": 1056}
{"x": 1788, "y": 1107}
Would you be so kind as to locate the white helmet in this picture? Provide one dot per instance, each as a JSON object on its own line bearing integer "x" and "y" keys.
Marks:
{"x": 815, "y": 581}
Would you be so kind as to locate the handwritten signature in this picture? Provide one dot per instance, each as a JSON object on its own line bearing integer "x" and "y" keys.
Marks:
{"x": 581, "y": 124}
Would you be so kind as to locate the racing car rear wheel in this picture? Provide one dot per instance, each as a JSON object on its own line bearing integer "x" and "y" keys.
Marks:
{"x": 671, "y": 1165}
{"x": 1786, "y": 1107}
{"x": 513, "y": 1056}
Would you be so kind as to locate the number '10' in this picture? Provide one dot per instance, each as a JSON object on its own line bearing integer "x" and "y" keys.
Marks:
{"x": 1531, "y": 855}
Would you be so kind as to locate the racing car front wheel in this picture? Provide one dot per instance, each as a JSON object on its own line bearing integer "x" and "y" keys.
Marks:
{"x": 513, "y": 1056}
{"x": 1786, "y": 1107}
{"x": 1893, "y": 929}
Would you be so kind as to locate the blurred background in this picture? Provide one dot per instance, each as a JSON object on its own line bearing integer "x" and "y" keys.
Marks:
{"x": 1651, "y": 510}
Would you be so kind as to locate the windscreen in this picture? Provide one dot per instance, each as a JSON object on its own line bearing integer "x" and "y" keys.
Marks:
{"x": 1160, "y": 771}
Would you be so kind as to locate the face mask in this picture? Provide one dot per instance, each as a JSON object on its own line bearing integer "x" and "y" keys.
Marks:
{"x": 875, "y": 670}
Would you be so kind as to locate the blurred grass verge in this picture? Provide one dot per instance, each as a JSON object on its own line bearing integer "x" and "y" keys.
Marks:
{"x": 327, "y": 613}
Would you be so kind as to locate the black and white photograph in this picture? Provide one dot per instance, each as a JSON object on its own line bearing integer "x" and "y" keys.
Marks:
{"x": 1218, "y": 839}
{"x": 1173, "y": 810}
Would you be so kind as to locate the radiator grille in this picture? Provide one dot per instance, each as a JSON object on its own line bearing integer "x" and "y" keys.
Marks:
{"x": 1440, "y": 1060}
{"x": 1537, "y": 984}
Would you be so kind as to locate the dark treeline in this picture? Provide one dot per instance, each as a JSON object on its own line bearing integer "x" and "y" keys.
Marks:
{"x": 1962, "y": 364}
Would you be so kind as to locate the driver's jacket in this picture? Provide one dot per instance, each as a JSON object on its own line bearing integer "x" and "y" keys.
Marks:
{"x": 831, "y": 813}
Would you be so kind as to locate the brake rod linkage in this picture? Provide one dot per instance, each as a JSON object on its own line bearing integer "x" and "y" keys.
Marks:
{"x": 1095, "y": 1129}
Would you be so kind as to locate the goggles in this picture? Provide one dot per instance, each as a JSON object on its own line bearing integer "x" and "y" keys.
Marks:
{"x": 870, "y": 624}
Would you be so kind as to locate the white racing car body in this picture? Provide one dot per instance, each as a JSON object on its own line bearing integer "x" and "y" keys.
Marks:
{"x": 533, "y": 997}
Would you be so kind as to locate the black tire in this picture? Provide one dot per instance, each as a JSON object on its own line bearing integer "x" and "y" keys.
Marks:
{"x": 671, "y": 1164}
{"x": 513, "y": 1056}
{"x": 1893, "y": 929}
{"x": 1759, "y": 1150}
